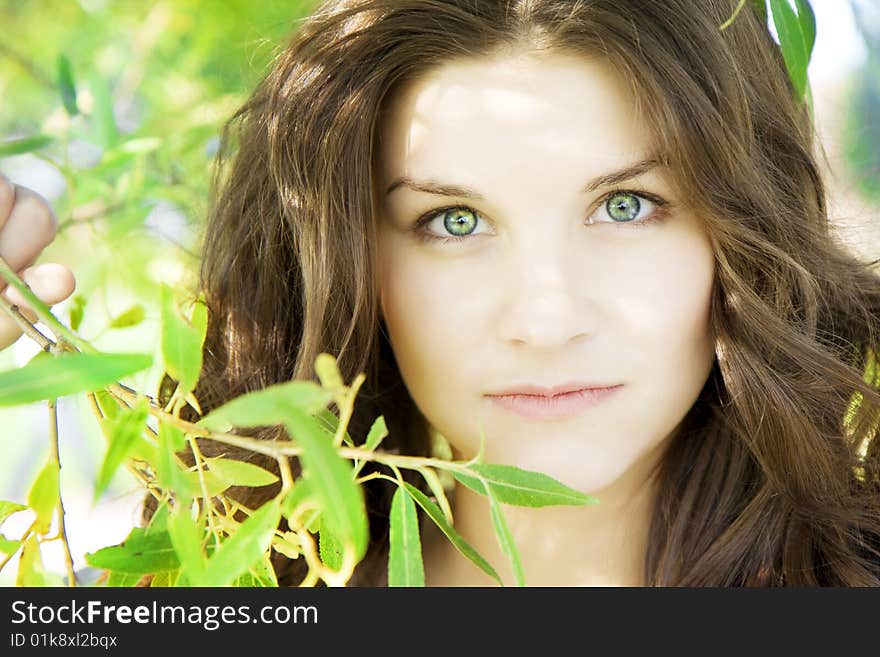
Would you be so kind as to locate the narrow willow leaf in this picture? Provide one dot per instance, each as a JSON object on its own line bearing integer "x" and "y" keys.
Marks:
{"x": 268, "y": 406}
{"x": 169, "y": 475}
{"x": 142, "y": 145}
{"x": 505, "y": 538}
{"x": 165, "y": 579}
{"x": 329, "y": 422}
{"x": 122, "y": 434}
{"x": 212, "y": 483}
{"x": 328, "y": 372}
{"x": 182, "y": 340}
{"x": 458, "y": 541}
{"x": 240, "y": 473}
{"x": 66, "y": 86}
{"x": 297, "y": 496}
{"x": 807, "y": 19}
{"x": 239, "y": 552}
{"x": 261, "y": 574}
{"x": 24, "y": 145}
{"x": 131, "y": 317}
{"x": 77, "y": 311}
{"x": 140, "y": 553}
{"x": 438, "y": 491}
{"x": 187, "y": 541}
{"x": 125, "y": 579}
{"x": 512, "y": 485}
{"x": 330, "y": 548}
{"x": 7, "y": 546}
{"x": 30, "y": 565}
{"x": 330, "y": 479}
{"x": 66, "y": 374}
{"x": 791, "y": 41}
{"x": 104, "y": 123}
{"x": 378, "y": 431}
{"x": 43, "y": 497}
{"x": 8, "y": 508}
{"x": 405, "y": 565}
{"x": 760, "y": 6}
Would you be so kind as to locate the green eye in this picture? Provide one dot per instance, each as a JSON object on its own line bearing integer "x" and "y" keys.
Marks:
{"x": 623, "y": 207}
{"x": 459, "y": 221}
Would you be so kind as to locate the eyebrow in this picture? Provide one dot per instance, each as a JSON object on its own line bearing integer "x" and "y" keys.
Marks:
{"x": 614, "y": 178}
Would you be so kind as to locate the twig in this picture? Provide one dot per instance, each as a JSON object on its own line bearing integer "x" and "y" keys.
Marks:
{"x": 25, "y": 325}
{"x": 55, "y": 458}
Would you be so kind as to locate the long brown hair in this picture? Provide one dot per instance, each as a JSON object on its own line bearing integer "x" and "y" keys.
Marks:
{"x": 774, "y": 477}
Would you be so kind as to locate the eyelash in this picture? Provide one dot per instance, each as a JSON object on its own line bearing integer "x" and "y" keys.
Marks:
{"x": 659, "y": 214}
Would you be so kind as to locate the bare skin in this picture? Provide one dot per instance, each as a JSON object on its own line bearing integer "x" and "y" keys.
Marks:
{"x": 27, "y": 227}
{"x": 544, "y": 288}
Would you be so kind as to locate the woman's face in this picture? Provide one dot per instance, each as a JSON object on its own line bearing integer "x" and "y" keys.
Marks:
{"x": 562, "y": 264}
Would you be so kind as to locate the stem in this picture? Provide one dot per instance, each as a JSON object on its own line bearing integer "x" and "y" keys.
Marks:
{"x": 209, "y": 505}
{"x": 25, "y": 325}
{"x": 346, "y": 412}
{"x": 729, "y": 21}
{"x": 55, "y": 457}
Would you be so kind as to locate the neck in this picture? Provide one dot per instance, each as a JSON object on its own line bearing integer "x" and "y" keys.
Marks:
{"x": 594, "y": 545}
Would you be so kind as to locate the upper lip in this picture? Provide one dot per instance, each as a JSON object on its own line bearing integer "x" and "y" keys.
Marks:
{"x": 548, "y": 391}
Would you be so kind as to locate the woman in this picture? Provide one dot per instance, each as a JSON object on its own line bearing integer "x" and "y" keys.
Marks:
{"x": 593, "y": 230}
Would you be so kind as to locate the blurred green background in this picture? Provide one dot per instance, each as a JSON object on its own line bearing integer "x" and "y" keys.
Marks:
{"x": 128, "y": 98}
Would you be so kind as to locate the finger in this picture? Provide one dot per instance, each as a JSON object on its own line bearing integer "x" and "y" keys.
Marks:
{"x": 30, "y": 228}
{"x": 51, "y": 283}
{"x": 9, "y": 331}
{"x": 7, "y": 198}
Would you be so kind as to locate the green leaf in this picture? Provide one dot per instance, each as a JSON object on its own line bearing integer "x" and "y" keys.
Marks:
{"x": 330, "y": 479}
{"x": 103, "y": 120}
{"x": 327, "y": 370}
{"x": 505, "y": 539}
{"x": 66, "y": 374}
{"x": 760, "y": 6}
{"x": 140, "y": 553}
{"x": 131, "y": 317}
{"x": 457, "y": 539}
{"x": 377, "y": 432}
{"x": 330, "y": 548}
{"x": 142, "y": 145}
{"x": 182, "y": 340}
{"x": 8, "y": 508}
{"x": 329, "y": 422}
{"x": 807, "y": 19}
{"x": 30, "y": 565}
{"x": 791, "y": 41}
{"x": 77, "y": 310}
{"x": 261, "y": 574}
{"x": 247, "y": 545}
{"x": 122, "y": 434}
{"x": 66, "y": 85}
{"x": 214, "y": 485}
{"x": 240, "y": 473}
{"x": 405, "y": 566}
{"x": 511, "y": 485}
{"x": 43, "y": 497}
{"x": 7, "y": 546}
{"x": 299, "y": 494}
{"x": 269, "y": 406}
{"x": 124, "y": 579}
{"x": 24, "y": 145}
{"x": 187, "y": 541}
{"x": 168, "y": 474}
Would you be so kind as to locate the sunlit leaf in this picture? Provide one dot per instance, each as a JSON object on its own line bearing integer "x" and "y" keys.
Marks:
{"x": 327, "y": 370}
{"x": 182, "y": 340}
{"x": 505, "y": 538}
{"x": 186, "y": 539}
{"x": 66, "y": 86}
{"x": 791, "y": 41}
{"x": 377, "y": 432}
{"x": 8, "y": 508}
{"x": 513, "y": 485}
{"x": 131, "y": 317}
{"x": 457, "y": 539}
{"x": 247, "y": 545}
{"x": 43, "y": 497}
{"x": 405, "y": 565}
{"x": 330, "y": 479}
{"x": 24, "y": 145}
{"x": 268, "y": 406}
{"x": 104, "y": 123}
{"x": 141, "y": 552}
{"x": 30, "y": 565}
{"x": 122, "y": 434}
{"x": 240, "y": 473}
{"x": 65, "y": 375}
{"x": 330, "y": 548}
{"x": 77, "y": 310}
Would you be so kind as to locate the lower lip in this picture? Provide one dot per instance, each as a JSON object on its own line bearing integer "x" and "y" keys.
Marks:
{"x": 558, "y": 407}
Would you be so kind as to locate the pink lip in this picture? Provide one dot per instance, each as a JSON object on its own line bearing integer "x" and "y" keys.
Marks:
{"x": 556, "y": 407}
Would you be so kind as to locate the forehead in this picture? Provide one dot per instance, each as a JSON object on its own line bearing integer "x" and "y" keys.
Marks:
{"x": 515, "y": 110}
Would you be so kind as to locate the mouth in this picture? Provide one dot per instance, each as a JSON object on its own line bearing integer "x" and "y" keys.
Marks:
{"x": 560, "y": 406}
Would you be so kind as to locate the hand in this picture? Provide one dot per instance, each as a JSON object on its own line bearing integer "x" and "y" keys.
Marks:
{"x": 27, "y": 226}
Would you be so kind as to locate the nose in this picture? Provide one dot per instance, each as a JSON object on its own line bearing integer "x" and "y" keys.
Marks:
{"x": 547, "y": 304}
